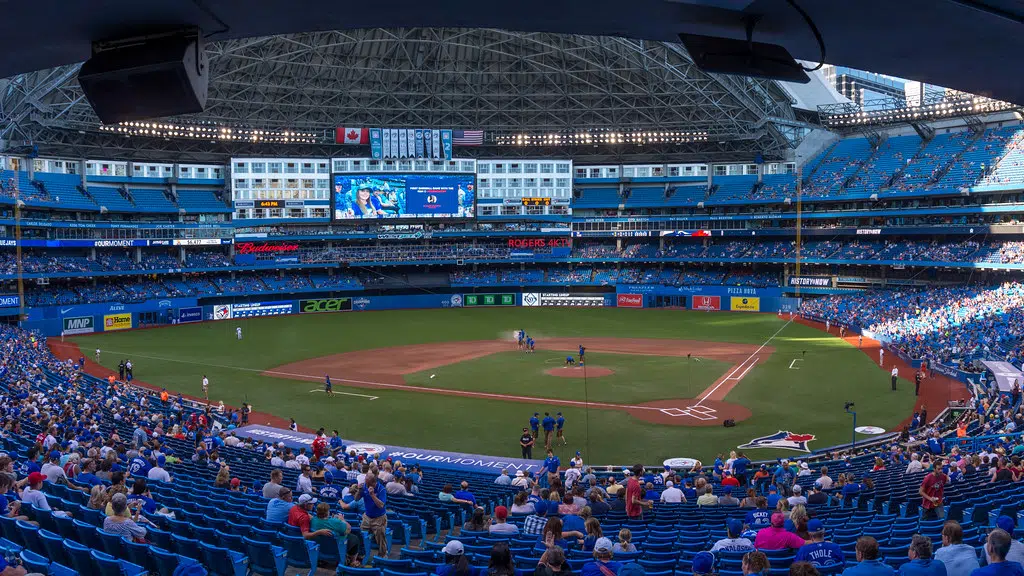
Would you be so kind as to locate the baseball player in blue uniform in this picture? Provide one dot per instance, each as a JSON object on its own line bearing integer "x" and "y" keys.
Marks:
{"x": 328, "y": 388}
{"x": 570, "y": 361}
{"x": 549, "y": 426}
{"x": 529, "y": 344}
{"x": 582, "y": 350}
{"x": 522, "y": 338}
{"x": 535, "y": 423}
{"x": 559, "y": 423}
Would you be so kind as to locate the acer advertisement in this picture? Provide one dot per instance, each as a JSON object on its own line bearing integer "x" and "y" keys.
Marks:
{"x": 630, "y": 300}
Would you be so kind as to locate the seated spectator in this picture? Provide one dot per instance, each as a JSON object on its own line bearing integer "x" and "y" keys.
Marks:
{"x": 455, "y": 561}
{"x": 868, "y": 562}
{"x": 603, "y": 563}
{"x": 503, "y": 479}
{"x": 553, "y": 563}
{"x": 1016, "y": 553}
{"x": 776, "y": 537}
{"x": 594, "y": 532}
{"x": 960, "y": 559}
{"x": 500, "y": 563}
{"x": 273, "y": 488}
{"x": 727, "y": 499}
{"x": 279, "y": 507}
{"x": 708, "y": 498}
{"x": 465, "y": 495}
{"x": 755, "y": 563}
{"x": 703, "y": 564}
{"x": 797, "y": 497}
{"x": 820, "y": 553}
{"x": 447, "y": 497}
{"x": 534, "y": 524}
{"x": 803, "y": 569}
{"x": 553, "y": 536}
{"x": 671, "y": 494}
{"x": 598, "y": 507}
{"x": 123, "y": 522}
{"x": 501, "y": 525}
{"x": 477, "y": 522}
{"x": 298, "y": 516}
{"x": 339, "y": 528}
{"x": 921, "y": 561}
{"x": 624, "y": 544}
{"x": 997, "y": 546}
{"x": 733, "y": 542}
{"x": 520, "y": 504}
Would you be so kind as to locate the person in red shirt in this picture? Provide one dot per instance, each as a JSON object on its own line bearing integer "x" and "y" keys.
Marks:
{"x": 932, "y": 489}
{"x": 319, "y": 445}
{"x": 298, "y": 516}
{"x": 730, "y": 480}
{"x": 635, "y": 502}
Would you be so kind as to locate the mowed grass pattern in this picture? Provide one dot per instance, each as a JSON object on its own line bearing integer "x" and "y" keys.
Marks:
{"x": 807, "y": 400}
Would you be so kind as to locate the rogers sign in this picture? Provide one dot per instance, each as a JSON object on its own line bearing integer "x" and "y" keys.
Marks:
{"x": 251, "y": 248}
{"x": 539, "y": 243}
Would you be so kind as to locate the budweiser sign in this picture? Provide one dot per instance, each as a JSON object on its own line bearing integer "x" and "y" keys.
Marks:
{"x": 251, "y": 248}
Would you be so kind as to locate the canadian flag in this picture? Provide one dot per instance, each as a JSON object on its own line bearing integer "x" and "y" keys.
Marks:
{"x": 348, "y": 135}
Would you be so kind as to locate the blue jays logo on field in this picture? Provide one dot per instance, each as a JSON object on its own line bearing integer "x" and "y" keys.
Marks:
{"x": 456, "y": 300}
{"x": 783, "y": 439}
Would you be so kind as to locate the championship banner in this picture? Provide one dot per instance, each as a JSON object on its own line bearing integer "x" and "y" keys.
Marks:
{"x": 403, "y": 143}
{"x": 394, "y": 142}
{"x": 320, "y": 305}
{"x": 436, "y": 142}
{"x": 446, "y": 143}
{"x": 113, "y": 322}
{"x": 428, "y": 143}
{"x": 386, "y": 138}
{"x": 376, "y": 143}
{"x": 745, "y": 304}
{"x": 713, "y": 303}
{"x": 78, "y": 325}
{"x": 419, "y": 143}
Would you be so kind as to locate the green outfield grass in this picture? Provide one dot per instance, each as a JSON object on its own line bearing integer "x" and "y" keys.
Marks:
{"x": 807, "y": 400}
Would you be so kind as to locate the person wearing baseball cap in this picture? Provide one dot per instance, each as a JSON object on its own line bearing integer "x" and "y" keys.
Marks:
{"x": 1016, "y": 553}
{"x": 299, "y": 517}
{"x": 33, "y": 494}
{"x": 819, "y": 553}
{"x": 733, "y": 542}
{"x": 455, "y": 561}
{"x": 703, "y": 564}
{"x": 603, "y": 563}
{"x": 501, "y": 525}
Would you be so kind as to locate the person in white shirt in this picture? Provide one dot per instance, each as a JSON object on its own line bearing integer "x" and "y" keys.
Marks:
{"x": 238, "y": 332}
{"x": 915, "y": 464}
{"x": 503, "y": 479}
{"x": 824, "y": 481}
{"x": 304, "y": 485}
{"x": 881, "y": 356}
{"x": 158, "y": 472}
{"x": 572, "y": 476}
{"x": 895, "y": 376}
{"x": 52, "y": 469}
{"x": 206, "y": 387}
{"x": 302, "y": 459}
{"x": 293, "y": 464}
{"x": 97, "y": 355}
{"x": 671, "y": 494}
{"x": 276, "y": 460}
{"x": 797, "y": 497}
{"x": 520, "y": 481}
{"x": 33, "y": 494}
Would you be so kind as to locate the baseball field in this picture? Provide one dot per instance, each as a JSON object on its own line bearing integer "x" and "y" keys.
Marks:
{"x": 656, "y": 384}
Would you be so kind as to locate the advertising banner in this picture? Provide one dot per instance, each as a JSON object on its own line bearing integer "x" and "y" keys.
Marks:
{"x": 745, "y": 304}
{"x": 699, "y": 302}
{"x": 193, "y": 314}
{"x": 811, "y": 281}
{"x": 545, "y": 299}
{"x": 320, "y": 305}
{"x": 471, "y": 300}
{"x": 10, "y": 301}
{"x": 257, "y": 309}
{"x": 78, "y": 325}
{"x": 113, "y": 322}
{"x": 629, "y": 300}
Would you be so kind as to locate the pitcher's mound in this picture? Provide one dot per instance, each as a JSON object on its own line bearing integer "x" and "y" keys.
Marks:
{"x": 577, "y": 372}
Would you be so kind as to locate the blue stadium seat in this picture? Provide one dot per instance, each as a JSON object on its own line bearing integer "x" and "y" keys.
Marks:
{"x": 266, "y": 559}
{"x": 222, "y": 561}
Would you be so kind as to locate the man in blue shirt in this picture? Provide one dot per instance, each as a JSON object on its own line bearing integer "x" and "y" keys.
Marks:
{"x": 535, "y": 424}
{"x": 551, "y": 465}
{"x": 329, "y": 491}
{"x": 783, "y": 477}
{"x": 559, "y": 422}
{"x": 375, "y": 518}
{"x": 996, "y": 548}
{"x": 549, "y": 426}
{"x": 773, "y": 497}
{"x": 921, "y": 561}
{"x": 761, "y": 516}
{"x": 819, "y": 553}
{"x": 465, "y": 494}
{"x": 278, "y": 508}
{"x": 869, "y": 563}
{"x": 739, "y": 468}
{"x": 603, "y": 563}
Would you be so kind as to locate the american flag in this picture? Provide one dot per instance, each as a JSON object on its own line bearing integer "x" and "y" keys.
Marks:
{"x": 468, "y": 137}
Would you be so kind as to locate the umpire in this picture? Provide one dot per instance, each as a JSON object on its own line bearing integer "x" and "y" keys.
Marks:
{"x": 917, "y": 383}
{"x": 895, "y": 376}
{"x": 526, "y": 442}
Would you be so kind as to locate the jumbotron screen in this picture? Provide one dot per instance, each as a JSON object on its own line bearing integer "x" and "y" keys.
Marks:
{"x": 358, "y": 196}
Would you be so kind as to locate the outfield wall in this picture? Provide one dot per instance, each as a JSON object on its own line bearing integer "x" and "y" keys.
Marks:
{"x": 91, "y": 318}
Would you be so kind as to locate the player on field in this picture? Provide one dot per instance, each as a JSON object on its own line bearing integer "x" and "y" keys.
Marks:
{"x": 582, "y": 350}
{"x": 535, "y": 424}
{"x": 881, "y": 356}
{"x": 238, "y": 332}
{"x": 97, "y": 355}
{"x": 328, "y": 389}
{"x": 549, "y": 426}
{"x": 529, "y": 344}
{"x": 206, "y": 388}
{"x": 570, "y": 361}
{"x": 559, "y": 423}
{"x": 522, "y": 338}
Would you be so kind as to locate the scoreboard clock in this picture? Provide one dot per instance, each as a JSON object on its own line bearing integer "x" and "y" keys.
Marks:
{"x": 270, "y": 204}
{"x": 536, "y": 201}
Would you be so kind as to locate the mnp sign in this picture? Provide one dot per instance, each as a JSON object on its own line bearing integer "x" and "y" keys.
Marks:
{"x": 78, "y": 325}
{"x": 745, "y": 304}
{"x": 113, "y": 322}
{"x": 629, "y": 300}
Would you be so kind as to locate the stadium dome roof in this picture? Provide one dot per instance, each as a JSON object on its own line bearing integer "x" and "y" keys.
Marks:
{"x": 499, "y": 81}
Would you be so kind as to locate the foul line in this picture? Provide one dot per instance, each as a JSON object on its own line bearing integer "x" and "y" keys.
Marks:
{"x": 345, "y": 393}
{"x": 446, "y": 391}
{"x": 730, "y": 376}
